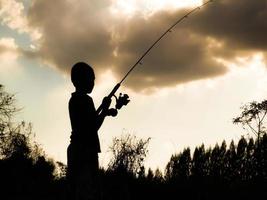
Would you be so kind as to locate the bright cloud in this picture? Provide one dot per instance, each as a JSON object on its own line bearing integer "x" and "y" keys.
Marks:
{"x": 12, "y": 14}
{"x": 8, "y": 43}
{"x": 129, "y": 8}
{"x": 8, "y": 56}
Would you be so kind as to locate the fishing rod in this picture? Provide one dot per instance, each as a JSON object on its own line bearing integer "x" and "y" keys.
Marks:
{"x": 123, "y": 99}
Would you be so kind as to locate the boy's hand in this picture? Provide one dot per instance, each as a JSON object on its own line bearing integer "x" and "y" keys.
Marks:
{"x": 106, "y": 103}
{"x": 112, "y": 112}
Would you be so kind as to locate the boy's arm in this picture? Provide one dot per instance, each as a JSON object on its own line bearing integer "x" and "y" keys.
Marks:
{"x": 101, "y": 117}
{"x": 100, "y": 120}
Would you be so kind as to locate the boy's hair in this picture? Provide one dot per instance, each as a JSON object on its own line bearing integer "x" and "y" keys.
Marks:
{"x": 79, "y": 72}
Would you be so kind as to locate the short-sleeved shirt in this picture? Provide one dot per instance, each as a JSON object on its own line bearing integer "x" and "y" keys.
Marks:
{"x": 83, "y": 121}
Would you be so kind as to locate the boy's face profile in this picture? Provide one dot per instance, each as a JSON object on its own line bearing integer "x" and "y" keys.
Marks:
{"x": 83, "y": 77}
{"x": 88, "y": 83}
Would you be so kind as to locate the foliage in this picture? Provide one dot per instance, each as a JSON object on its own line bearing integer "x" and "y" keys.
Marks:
{"x": 7, "y": 106}
{"x": 252, "y": 116}
{"x": 129, "y": 154}
{"x": 61, "y": 170}
{"x": 15, "y": 138}
{"x": 24, "y": 168}
{"x": 238, "y": 162}
{"x": 179, "y": 166}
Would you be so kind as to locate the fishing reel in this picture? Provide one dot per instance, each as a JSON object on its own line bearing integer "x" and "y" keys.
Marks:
{"x": 122, "y": 100}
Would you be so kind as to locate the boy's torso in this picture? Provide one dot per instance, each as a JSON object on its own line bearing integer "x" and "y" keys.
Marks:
{"x": 83, "y": 121}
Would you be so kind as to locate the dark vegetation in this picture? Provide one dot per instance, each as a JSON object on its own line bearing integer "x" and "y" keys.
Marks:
{"x": 237, "y": 171}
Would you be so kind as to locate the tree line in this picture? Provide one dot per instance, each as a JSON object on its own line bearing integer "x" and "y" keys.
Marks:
{"x": 234, "y": 171}
{"x": 237, "y": 171}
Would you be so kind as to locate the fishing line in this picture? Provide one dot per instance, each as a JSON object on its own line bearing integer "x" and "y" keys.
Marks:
{"x": 123, "y": 100}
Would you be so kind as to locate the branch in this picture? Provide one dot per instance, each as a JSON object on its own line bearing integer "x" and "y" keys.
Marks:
{"x": 263, "y": 116}
{"x": 253, "y": 130}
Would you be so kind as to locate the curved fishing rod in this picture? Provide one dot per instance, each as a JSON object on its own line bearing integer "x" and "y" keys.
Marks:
{"x": 124, "y": 99}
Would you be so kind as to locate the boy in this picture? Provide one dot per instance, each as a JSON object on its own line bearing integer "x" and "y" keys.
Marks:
{"x": 82, "y": 153}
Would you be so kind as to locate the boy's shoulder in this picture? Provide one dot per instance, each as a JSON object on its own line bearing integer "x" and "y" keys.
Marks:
{"x": 80, "y": 97}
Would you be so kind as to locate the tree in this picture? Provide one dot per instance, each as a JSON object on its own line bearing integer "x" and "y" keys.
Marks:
{"x": 158, "y": 177}
{"x": 252, "y": 117}
{"x": 230, "y": 162}
{"x": 7, "y": 110}
{"x": 129, "y": 154}
{"x": 222, "y": 154}
{"x": 150, "y": 175}
{"x": 61, "y": 170}
{"x": 199, "y": 162}
{"x": 179, "y": 166}
{"x": 250, "y": 160}
{"x": 241, "y": 157}
{"x": 15, "y": 138}
{"x": 264, "y": 155}
{"x": 24, "y": 168}
{"x": 7, "y": 106}
{"x": 215, "y": 162}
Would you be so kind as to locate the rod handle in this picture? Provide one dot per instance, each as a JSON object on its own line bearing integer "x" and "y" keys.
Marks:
{"x": 114, "y": 90}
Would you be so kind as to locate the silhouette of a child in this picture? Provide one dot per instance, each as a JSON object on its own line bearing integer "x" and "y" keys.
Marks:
{"x": 82, "y": 153}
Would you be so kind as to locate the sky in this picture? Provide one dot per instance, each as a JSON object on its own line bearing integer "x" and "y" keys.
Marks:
{"x": 186, "y": 92}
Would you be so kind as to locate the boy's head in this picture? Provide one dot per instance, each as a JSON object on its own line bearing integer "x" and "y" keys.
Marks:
{"x": 83, "y": 77}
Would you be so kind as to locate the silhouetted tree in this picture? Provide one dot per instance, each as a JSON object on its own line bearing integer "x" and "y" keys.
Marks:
{"x": 241, "y": 158}
{"x": 178, "y": 168}
{"x": 7, "y": 110}
{"x": 24, "y": 169}
{"x": 150, "y": 175}
{"x": 200, "y": 162}
{"x": 7, "y": 105}
{"x": 230, "y": 162}
{"x": 215, "y": 162}
{"x": 126, "y": 171}
{"x": 250, "y": 160}
{"x": 129, "y": 154}
{"x": 252, "y": 116}
{"x": 264, "y": 156}
{"x": 222, "y": 154}
{"x": 158, "y": 176}
{"x": 61, "y": 170}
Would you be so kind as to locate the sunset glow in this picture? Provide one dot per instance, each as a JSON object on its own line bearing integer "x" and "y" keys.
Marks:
{"x": 131, "y": 7}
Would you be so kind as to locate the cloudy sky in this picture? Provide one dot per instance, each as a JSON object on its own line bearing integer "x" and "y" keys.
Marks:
{"x": 185, "y": 93}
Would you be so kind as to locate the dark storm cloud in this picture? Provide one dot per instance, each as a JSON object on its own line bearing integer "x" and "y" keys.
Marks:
{"x": 180, "y": 57}
{"x": 87, "y": 31}
{"x": 241, "y": 24}
{"x": 72, "y": 32}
